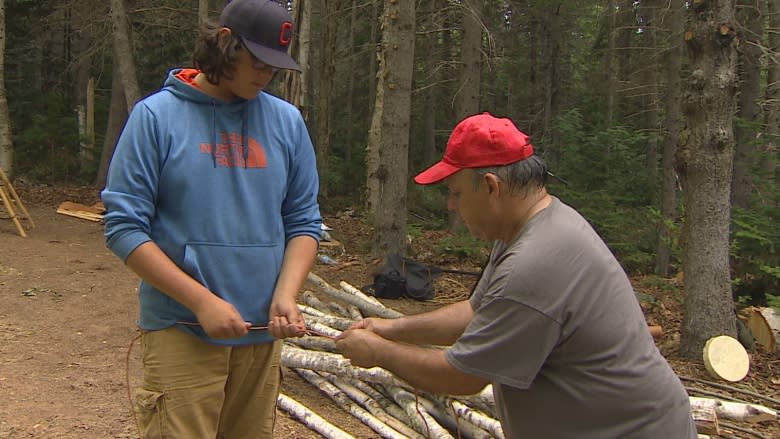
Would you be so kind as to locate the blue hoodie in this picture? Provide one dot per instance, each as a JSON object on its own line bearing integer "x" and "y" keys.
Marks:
{"x": 220, "y": 187}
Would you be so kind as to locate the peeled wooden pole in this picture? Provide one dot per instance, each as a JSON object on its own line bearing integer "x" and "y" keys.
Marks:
{"x": 343, "y": 401}
{"x": 352, "y": 290}
{"x": 422, "y": 421}
{"x": 373, "y": 405}
{"x": 311, "y": 419}
{"x": 365, "y": 306}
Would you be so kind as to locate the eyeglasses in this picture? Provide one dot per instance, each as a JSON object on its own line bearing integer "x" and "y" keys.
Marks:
{"x": 257, "y": 64}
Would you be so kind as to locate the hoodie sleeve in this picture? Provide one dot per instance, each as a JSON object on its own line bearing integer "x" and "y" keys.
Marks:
{"x": 300, "y": 210}
{"x": 131, "y": 186}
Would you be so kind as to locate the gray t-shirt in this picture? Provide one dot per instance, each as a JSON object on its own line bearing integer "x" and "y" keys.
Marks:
{"x": 558, "y": 331}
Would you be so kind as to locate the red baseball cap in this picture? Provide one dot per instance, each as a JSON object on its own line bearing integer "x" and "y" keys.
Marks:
{"x": 479, "y": 141}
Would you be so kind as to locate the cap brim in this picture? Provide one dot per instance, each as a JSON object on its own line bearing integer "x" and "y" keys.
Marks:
{"x": 272, "y": 57}
{"x": 436, "y": 173}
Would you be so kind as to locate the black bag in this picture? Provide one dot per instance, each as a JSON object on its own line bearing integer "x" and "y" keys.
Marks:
{"x": 403, "y": 277}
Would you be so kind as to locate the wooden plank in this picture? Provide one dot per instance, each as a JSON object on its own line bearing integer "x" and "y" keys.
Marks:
{"x": 77, "y": 210}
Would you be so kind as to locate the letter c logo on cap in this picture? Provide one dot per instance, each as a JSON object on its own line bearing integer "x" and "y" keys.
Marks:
{"x": 285, "y": 33}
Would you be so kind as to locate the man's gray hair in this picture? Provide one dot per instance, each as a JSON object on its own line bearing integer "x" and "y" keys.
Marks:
{"x": 523, "y": 175}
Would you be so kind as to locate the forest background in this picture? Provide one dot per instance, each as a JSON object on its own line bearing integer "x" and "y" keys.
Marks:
{"x": 659, "y": 117}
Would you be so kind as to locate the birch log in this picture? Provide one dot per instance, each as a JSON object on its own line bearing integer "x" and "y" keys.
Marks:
{"x": 364, "y": 306}
{"x": 352, "y": 290}
{"x": 293, "y": 357}
{"x": 313, "y": 343}
{"x": 472, "y": 415}
{"x": 314, "y": 302}
{"x": 384, "y": 401}
{"x": 462, "y": 426}
{"x": 343, "y": 401}
{"x": 311, "y": 419}
{"x": 334, "y": 322}
{"x": 354, "y": 312}
{"x": 373, "y": 405}
{"x": 735, "y": 411}
{"x": 422, "y": 421}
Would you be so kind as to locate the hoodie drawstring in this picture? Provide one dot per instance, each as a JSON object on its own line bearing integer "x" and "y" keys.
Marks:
{"x": 244, "y": 129}
{"x": 214, "y": 144}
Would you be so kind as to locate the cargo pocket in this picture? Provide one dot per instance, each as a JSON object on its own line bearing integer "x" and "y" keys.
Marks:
{"x": 149, "y": 413}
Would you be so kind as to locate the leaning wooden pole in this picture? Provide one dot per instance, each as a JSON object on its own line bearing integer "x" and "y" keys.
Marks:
{"x": 15, "y": 196}
{"x": 10, "y": 208}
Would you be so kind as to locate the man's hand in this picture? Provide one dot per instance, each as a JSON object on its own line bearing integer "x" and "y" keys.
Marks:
{"x": 360, "y": 345}
{"x": 220, "y": 319}
{"x": 286, "y": 319}
{"x": 376, "y": 325}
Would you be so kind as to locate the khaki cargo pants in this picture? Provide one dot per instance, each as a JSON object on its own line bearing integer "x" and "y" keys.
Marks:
{"x": 196, "y": 390}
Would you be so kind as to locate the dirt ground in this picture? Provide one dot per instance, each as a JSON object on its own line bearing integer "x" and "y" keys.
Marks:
{"x": 67, "y": 323}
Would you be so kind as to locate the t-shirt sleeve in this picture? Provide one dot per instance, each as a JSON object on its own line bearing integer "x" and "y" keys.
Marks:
{"x": 505, "y": 342}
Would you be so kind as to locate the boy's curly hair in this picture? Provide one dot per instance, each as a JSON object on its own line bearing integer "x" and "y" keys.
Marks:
{"x": 214, "y": 54}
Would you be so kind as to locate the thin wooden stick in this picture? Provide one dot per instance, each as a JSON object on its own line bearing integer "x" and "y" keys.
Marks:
{"x": 16, "y": 198}
{"x": 11, "y": 212}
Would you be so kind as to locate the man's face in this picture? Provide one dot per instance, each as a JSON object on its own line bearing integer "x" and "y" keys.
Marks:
{"x": 469, "y": 203}
{"x": 250, "y": 76}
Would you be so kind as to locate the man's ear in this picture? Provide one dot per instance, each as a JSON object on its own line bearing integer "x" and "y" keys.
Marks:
{"x": 224, "y": 35}
{"x": 493, "y": 184}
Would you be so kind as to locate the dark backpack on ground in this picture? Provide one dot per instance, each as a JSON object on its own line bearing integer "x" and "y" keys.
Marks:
{"x": 403, "y": 277}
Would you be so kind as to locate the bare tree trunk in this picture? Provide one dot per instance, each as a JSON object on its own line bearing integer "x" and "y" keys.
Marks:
{"x": 768, "y": 163}
{"x": 372, "y": 53}
{"x": 296, "y": 85}
{"x": 353, "y": 21}
{"x": 117, "y": 115}
{"x": 203, "y": 11}
{"x": 329, "y": 30}
{"x": 553, "y": 80}
{"x": 671, "y": 135}
{"x": 6, "y": 146}
{"x": 467, "y": 98}
{"x": 746, "y": 130}
{"x": 611, "y": 60}
{"x": 650, "y": 98}
{"x": 389, "y": 133}
{"x": 704, "y": 162}
{"x": 123, "y": 50}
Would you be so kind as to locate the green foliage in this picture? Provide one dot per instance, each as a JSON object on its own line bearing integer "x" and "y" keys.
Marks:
{"x": 463, "y": 245}
{"x": 608, "y": 186}
{"x": 45, "y": 135}
{"x": 755, "y": 257}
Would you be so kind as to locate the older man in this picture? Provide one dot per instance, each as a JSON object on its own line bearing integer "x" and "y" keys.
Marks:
{"x": 553, "y": 322}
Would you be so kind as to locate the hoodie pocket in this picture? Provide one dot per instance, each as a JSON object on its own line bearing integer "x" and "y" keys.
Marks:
{"x": 244, "y": 275}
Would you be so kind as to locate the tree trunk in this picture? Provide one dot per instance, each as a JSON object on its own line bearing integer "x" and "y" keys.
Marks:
{"x": 117, "y": 115}
{"x": 203, "y": 11}
{"x": 295, "y": 88}
{"x": 6, "y": 146}
{"x": 467, "y": 98}
{"x": 329, "y": 30}
{"x": 389, "y": 133}
{"x": 353, "y": 22}
{"x": 650, "y": 98}
{"x": 671, "y": 135}
{"x": 123, "y": 50}
{"x": 768, "y": 163}
{"x": 704, "y": 161}
{"x": 746, "y": 129}
{"x": 611, "y": 67}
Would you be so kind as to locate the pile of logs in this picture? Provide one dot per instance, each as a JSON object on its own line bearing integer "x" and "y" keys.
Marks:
{"x": 390, "y": 406}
